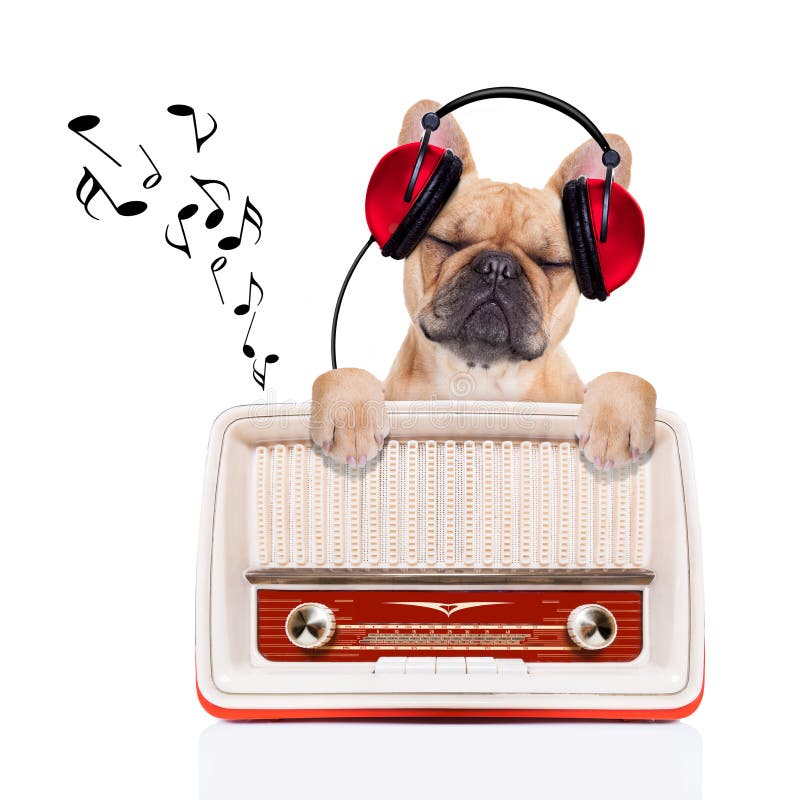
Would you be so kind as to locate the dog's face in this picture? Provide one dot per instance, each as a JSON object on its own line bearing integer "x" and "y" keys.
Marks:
{"x": 492, "y": 280}
{"x": 496, "y": 274}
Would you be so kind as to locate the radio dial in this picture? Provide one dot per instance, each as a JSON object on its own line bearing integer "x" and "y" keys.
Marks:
{"x": 310, "y": 625}
{"x": 592, "y": 627}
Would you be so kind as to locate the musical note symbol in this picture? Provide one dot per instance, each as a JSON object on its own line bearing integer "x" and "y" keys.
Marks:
{"x": 251, "y": 215}
{"x": 151, "y": 180}
{"x": 215, "y": 217}
{"x": 244, "y": 308}
{"x": 128, "y": 209}
{"x": 188, "y": 111}
{"x": 86, "y": 123}
{"x": 216, "y": 265}
{"x": 261, "y": 377}
{"x": 187, "y": 212}
{"x": 246, "y": 348}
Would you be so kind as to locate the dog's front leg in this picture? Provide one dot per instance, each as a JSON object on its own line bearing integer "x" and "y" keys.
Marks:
{"x": 348, "y": 415}
{"x": 617, "y": 421}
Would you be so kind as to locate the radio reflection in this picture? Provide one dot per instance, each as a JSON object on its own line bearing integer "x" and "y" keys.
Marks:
{"x": 451, "y": 759}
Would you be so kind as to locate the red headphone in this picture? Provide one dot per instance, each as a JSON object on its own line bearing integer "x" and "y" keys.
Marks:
{"x": 412, "y": 183}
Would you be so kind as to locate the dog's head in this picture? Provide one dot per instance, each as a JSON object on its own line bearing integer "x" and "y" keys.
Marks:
{"x": 492, "y": 280}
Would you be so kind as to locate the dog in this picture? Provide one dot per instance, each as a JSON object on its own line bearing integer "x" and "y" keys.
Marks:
{"x": 491, "y": 293}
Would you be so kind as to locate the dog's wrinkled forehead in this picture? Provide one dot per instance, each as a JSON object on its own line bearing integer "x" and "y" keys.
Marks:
{"x": 501, "y": 215}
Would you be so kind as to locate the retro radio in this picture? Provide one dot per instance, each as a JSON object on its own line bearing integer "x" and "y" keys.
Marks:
{"x": 478, "y": 567}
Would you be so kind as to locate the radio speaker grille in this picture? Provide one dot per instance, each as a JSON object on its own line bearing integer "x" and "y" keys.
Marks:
{"x": 460, "y": 504}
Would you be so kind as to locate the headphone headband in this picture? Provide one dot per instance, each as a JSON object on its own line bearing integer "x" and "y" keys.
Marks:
{"x": 518, "y": 93}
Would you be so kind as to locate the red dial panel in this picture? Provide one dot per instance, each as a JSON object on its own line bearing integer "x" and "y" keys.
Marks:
{"x": 526, "y": 624}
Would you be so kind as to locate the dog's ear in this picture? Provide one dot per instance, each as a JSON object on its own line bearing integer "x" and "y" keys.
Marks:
{"x": 448, "y": 134}
{"x": 588, "y": 160}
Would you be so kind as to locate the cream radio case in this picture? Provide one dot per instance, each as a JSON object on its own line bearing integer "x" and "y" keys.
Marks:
{"x": 478, "y": 567}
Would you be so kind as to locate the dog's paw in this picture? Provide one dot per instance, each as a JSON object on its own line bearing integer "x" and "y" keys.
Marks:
{"x": 348, "y": 415}
{"x": 616, "y": 424}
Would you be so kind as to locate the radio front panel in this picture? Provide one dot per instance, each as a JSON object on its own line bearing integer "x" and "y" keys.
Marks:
{"x": 479, "y": 563}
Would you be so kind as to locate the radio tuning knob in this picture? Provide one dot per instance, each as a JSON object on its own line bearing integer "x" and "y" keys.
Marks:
{"x": 310, "y": 625}
{"x": 592, "y": 627}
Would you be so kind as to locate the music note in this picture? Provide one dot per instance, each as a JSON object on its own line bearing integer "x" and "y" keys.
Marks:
{"x": 187, "y": 212}
{"x": 244, "y": 308}
{"x": 128, "y": 209}
{"x": 215, "y": 217}
{"x": 251, "y": 215}
{"x": 86, "y": 123}
{"x": 216, "y": 265}
{"x": 151, "y": 180}
{"x": 261, "y": 377}
{"x": 188, "y": 111}
{"x": 246, "y": 348}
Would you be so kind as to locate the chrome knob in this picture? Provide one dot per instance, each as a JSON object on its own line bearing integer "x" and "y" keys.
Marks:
{"x": 310, "y": 625}
{"x": 592, "y": 627}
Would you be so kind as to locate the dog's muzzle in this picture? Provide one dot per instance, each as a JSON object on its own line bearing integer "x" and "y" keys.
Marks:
{"x": 487, "y": 312}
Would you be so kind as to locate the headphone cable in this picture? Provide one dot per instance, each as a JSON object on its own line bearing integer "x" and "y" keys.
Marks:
{"x": 341, "y": 297}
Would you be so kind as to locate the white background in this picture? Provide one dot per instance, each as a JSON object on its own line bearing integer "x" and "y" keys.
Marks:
{"x": 117, "y": 355}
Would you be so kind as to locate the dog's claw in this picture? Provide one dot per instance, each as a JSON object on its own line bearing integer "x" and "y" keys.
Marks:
{"x": 351, "y": 461}
{"x": 581, "y": 441}
{"x": 326, "y": 448}
{"x": 635, "y": 454}
{"x": 379, "y": 438}
{"x": 596, "y": 462}
{"x": 608, "y": 465}
{"x": 362, "y": 460}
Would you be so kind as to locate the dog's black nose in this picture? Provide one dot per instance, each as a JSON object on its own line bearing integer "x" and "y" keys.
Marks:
{"x": 496, "y": 266}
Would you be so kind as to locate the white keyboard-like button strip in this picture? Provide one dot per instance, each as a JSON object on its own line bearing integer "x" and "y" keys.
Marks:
{"x": 449, "y": 665}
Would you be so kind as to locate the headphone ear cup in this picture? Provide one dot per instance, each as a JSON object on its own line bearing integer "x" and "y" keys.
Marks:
{"x": 585, "y": 259}
{"x": 602, "y": 267}
{"x": 426, "y": 207}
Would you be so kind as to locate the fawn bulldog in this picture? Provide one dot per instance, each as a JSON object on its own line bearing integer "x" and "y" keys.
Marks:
{"x": 491, "y": 293}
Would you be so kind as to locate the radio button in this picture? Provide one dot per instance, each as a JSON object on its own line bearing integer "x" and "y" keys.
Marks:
{"x": 421, "y": 665}
{"x": 390, "y": 665}
{"x": 310, "y": 625}
{"x": 592, "y": 627}
{"x": 511, "y": 666}
{"x": 481, "y": 665}
{"x": 451, "y": 665}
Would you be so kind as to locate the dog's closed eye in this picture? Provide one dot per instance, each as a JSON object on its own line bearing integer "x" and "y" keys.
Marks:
{"x": 444, "y": 244}
{"x": 554, "y": 264}
{"x": 545, "y": 262}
